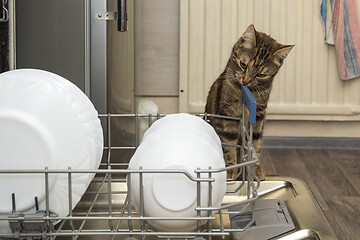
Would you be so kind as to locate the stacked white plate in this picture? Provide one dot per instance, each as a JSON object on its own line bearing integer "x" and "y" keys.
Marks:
{"x": 177, "y": 142}
{"x": 45, "y": 121}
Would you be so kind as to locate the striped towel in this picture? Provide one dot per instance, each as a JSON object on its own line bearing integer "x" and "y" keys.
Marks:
{"x": 341, "y": 28}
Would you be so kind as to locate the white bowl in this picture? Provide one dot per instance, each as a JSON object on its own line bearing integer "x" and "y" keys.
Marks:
{"x": 45, "y": 121}
{"x": 185, "y": 121}
{"x": 180, "y": 148}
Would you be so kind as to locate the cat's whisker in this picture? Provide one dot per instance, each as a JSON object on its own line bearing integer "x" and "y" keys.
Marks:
{"x": 265, "y": 89}
{"x": 258, "y": 92}
{"x": 263, "y": 92}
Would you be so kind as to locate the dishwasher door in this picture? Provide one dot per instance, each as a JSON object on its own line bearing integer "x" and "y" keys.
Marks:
{"x": 64, "y": 37}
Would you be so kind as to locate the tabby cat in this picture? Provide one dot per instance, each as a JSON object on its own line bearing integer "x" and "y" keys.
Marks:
{"x": 254, "y": 61}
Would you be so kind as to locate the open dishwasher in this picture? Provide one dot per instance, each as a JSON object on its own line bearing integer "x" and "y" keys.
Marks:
{"x": 272, "y": 209}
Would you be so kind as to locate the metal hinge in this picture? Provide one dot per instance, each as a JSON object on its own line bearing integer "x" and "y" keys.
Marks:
{"x": 107, "y": 16}
{"x": 5, "y": 11}
{"x": 121, "y": 16}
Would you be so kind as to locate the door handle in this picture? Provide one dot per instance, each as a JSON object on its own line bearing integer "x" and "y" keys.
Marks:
{"x": 122, "y": 16}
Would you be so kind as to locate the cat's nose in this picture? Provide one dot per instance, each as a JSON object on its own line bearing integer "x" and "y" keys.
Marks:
{"x": 246, "y": 81}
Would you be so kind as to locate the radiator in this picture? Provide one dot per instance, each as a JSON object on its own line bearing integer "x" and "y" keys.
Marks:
{"x": 306, "y": 88}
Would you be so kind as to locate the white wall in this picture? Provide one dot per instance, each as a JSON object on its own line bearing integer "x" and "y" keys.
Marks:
{"x": 308, "y": 98}
{"x": 307, "y": 91}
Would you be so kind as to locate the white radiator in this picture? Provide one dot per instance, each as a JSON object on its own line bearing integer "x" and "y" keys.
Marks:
{"x": 306, "y": 88}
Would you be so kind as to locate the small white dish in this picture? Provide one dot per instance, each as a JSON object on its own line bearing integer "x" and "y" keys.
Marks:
{"x": 183, "y": 147}
{"x": 45, "y": 120}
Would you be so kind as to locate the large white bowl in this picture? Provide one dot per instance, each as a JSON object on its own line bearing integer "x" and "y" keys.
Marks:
{"x": 185, "y": 147}
{"x": 45, "y": 120}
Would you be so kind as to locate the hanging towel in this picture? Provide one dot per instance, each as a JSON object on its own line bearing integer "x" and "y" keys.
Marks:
{"x": 341, "y": 28}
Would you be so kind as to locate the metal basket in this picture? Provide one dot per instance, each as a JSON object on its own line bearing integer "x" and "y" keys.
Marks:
{"x": 106, "y": 209}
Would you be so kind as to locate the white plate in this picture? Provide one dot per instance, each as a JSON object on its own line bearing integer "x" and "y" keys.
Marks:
{"x": 85, "y": 110}
{"x": 43, "y": 123}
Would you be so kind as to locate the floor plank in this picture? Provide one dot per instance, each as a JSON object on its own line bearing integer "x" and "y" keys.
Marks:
{"x": 332, "y": 175}
{"x": 288, "y": 163}
{"x": 329, "y": 178}
{"x": 345, "y": 216}
{"x": 349, "y": 164}
{"x": 267, "y": 163}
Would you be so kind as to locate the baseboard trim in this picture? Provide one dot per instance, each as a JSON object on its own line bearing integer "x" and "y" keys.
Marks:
{"x": 312, "y": 143}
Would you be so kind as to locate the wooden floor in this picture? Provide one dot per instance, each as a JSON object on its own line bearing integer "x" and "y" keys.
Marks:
{"x": 332, "y": 175}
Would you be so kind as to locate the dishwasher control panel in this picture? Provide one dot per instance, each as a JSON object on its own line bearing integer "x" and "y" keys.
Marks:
{"x": 271, "y": 219}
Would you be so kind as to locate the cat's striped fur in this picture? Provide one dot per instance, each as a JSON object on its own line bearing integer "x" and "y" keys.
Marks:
{"x": 254, "y": 61}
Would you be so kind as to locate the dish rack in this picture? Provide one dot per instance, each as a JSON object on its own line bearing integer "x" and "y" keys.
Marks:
{"x": 106, "y": 211}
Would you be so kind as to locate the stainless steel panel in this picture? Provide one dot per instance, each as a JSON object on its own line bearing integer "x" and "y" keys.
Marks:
{"x": 12, "y": 35}
{"x": 98, "y": 65}
{"x": 309, "y": 221}
{"x": 65, "y": 37}
{"x": 50, "y": 35}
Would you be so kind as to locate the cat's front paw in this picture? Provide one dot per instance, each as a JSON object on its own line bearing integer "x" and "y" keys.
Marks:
{"x": 260, "y": 173}
{"x": 231, "y": 174}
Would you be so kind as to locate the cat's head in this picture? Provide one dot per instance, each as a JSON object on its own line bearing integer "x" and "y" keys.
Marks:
{"x": 257, "y": 58}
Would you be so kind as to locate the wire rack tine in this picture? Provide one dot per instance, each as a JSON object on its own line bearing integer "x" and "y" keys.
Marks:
{"x": 70, "y": 200}
{"x": 109, "y": 139}
{"x": 110, "y": 199}
{"x": 47, "y": 197}
{"x": 122, "y": 213}
{"x": 141, "y": 187}
{"x": 149, "y": 120}
{"x": 209, "y": 203}
{"x": 198, "y": 199}
{"x": 129, "y": 204}
{"x": 92, "y": 205}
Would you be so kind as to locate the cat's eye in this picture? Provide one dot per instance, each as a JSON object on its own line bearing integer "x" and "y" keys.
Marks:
{"x": 260, "y": 75}
{"x": 243, "y": 65}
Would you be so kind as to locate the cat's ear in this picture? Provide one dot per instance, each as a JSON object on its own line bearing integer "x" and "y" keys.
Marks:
{"x": 249, "y": 37}
{"x": 281, "y": 54}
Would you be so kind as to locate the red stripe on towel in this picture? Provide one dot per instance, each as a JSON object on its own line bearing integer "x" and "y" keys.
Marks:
{"x": 354, "y": 26}
{"x": 338, "y": 23}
